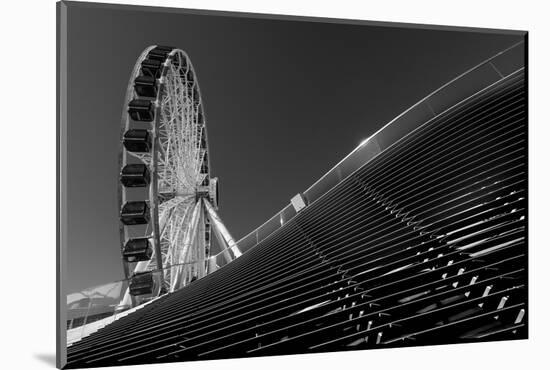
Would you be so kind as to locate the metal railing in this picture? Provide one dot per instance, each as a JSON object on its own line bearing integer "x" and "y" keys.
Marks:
{"x": 460, "y": 88}
{"x": 106, "y": 301}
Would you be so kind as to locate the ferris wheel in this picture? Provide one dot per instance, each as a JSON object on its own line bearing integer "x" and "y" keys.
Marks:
{"x": 168, "y": 200}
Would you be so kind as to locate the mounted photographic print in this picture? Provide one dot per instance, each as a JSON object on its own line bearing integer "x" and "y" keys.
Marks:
{"x": 239, "y": 185}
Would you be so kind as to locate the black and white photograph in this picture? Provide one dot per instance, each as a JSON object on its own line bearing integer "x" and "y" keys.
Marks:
{"x": 261, "y": 186}
{"x": 284, "y": 189}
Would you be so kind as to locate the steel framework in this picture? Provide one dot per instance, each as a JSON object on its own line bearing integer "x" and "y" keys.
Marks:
{"x": 424, "y": 243}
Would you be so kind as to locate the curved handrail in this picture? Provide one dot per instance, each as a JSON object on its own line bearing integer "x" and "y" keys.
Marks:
{"x": 475, "y": 79}
{"x": 101, "y": 304}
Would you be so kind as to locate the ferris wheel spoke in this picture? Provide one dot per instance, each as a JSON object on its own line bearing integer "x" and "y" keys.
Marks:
{"x": 179, "y": 230}
{"x": 188, "y": 237}
{"x": 143, "y": 157}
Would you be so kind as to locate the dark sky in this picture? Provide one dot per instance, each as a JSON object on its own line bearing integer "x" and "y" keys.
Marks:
{"x": 285, "y": 101}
